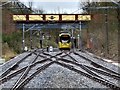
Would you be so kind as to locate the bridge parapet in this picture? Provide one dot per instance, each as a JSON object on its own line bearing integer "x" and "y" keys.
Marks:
{"x": 28, "y": 18}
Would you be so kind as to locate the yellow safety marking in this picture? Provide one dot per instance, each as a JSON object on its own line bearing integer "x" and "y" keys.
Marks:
{"x": 35, "y": 17}
{"x": 84, "y": 17}
{"x": 68, "y": 17}
{"x": 19, "y": 17}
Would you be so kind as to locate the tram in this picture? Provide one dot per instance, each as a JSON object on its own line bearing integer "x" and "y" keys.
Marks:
{"x": 64, "y": 41}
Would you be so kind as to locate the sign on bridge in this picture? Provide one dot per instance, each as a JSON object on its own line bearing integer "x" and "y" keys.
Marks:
{"x": 51, "y": 17}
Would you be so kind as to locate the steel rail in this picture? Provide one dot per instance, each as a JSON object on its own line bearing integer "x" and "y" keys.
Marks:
{"x": 9, "y": 76}
{"x": 70, "y": 67}
{"x": 28, "y": 69}
{"x": 94, "y": 74}
{"x": 53, "y": 56}
{"x": 72, "y": 58}
{"x": 86, "y": 68}
{"x": 66, "y": 54}
{"x": 117, "y": 77}
{"x": 96, "y": 64}
{"x": 25, "y": 72}
{"x": 89, "y": 74}
{"x": 26, "y": 80}
{"x": 40, "y": 55}
{"x": 18, "y": 62}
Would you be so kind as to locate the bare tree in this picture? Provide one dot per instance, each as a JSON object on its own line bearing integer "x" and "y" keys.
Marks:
{"x": 58, "y": 8}
{"x": 30, "y": 4}
{"x": 85, "y": 5}
{"x": 39, "y": 10}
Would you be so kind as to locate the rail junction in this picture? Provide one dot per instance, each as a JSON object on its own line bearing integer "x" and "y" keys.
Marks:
{"x": 42, "y": 69}
{"x": 39, "y": 68}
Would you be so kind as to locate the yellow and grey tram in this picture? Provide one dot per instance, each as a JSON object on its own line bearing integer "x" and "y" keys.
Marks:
{"x": 64, "y": 41}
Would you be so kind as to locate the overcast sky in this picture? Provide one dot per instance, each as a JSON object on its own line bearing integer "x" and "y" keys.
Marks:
{"x": 56, "y": 6}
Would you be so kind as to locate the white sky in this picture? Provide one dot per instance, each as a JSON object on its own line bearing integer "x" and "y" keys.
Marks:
{"x": 61, "y": 6}
{"x": 56, "y": 6}
{"x": 52, "y": 0}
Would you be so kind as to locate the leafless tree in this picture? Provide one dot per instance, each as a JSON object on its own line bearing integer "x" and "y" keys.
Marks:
{"x": 30, "y": 4}
{"x": 39, "y": 10}
{"x": 58, "y": 9}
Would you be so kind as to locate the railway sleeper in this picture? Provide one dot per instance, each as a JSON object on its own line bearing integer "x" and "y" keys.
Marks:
{"x": 90, "y": 76}
{"x": 11, "y": 68}
{"x": 26, "y": 80}
{"x": 9, "y": 76}
{"x": 95, "y": 64}
{"x": 117, "y": 77}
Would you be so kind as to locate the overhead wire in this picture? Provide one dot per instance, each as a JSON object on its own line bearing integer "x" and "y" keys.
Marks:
{"x": 50, "y": 21}
{"x": 40, "y": 15}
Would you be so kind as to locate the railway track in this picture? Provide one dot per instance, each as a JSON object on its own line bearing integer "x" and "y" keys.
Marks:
{"x": 47, "y": 60}
{"x": 7, "y": 75}
{"x": 16, "y": 64}
{"x": 96, "y": 64}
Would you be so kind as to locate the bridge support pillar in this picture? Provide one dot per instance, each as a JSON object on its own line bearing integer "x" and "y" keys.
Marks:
{"x": 23, "y": 37}
{"x": 30, "y": 39}
{"x": 80, "y": 36}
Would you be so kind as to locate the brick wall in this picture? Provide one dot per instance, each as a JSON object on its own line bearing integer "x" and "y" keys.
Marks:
{"x": 8, "y": 26}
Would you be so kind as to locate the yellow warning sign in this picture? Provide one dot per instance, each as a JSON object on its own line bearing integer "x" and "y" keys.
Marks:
{"x": 19, "y": 17}
{"x": 68, "y": 17}
{"x": 52, "y": 17}
{"x": 35, "y": 17}
{"x": 84, "y": 17}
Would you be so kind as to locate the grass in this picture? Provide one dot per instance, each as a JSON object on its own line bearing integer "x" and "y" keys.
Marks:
{"x": 7, "y": 52}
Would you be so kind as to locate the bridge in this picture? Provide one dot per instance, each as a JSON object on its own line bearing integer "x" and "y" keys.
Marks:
{"x": 81, "y": 67}
{"x": 32, "y": 18}
{"x": 40, "y": 21}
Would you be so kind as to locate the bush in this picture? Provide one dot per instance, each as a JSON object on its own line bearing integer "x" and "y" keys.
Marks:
{"x": 13, "y": 40}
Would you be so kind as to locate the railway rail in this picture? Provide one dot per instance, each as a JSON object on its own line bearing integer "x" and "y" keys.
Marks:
{"x": 43, "y": 60}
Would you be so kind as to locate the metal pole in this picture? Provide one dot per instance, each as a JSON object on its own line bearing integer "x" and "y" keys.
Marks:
{"x": 80, "y": 36}
{"x": 31, "y": 39}
{"x": 23, "y": 38}
{"x": 118, "y": 12}
{"x": 40, "y": 39}
{"x": 106, "y": 36}
{"x": 78, "y": 41}
{"x": 73, "y": 43}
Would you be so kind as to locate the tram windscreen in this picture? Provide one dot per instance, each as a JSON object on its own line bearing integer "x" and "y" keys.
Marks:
{"x": 65, "y": 38}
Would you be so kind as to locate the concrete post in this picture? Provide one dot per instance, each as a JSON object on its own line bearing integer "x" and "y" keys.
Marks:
{"x": 23, "y": 38}
{"x": 80, "y": 36}
{"x": 30, "y": 39}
